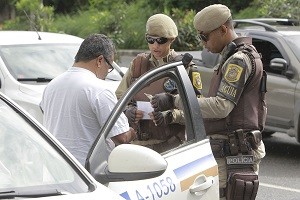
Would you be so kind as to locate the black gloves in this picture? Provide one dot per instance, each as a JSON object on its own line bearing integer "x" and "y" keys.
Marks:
{"x": 162, "y": 118}
{"x": 162, "y": 102}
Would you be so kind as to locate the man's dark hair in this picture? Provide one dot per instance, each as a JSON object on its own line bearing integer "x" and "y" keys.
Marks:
{"x": 94, "y": 46}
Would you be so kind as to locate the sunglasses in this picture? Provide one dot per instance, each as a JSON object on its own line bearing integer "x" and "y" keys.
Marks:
{"x": 110, "y": 65}
{"x": 159, "y": 40}
{"x": 204, "y": 37}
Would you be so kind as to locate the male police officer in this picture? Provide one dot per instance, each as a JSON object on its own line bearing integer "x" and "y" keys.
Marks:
{"x": 166, "y": 129}
{"x": 235, "y": 108}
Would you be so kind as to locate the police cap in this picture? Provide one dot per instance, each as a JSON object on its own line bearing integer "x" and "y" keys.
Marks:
{"x": 211, "y": 17}
{"x": 161, "y": 25}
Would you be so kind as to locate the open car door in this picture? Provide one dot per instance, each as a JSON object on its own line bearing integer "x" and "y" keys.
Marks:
{"x": 188, "y": 171}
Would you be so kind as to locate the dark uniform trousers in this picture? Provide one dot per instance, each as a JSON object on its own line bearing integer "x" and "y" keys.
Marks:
{"x": 258, "y": 154}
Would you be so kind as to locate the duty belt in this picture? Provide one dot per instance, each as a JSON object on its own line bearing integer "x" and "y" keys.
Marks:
{"x": 236, "y": 143}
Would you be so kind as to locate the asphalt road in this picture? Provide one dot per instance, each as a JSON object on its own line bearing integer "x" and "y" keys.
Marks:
{"x": 279, "y": 173}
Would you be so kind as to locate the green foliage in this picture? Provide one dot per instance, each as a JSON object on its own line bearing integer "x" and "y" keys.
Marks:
{"x": 133, "y": 25}
{"x": 124, "y": 21}
{"x": 250, "y": 12}
{"x": 187, "y": 35}
{"x": 93, "y": 20}
{"x": 66, "y": 6}
{"x": 272, "y": 8}
{"x": 84, "y": 23}
{"x": 127, "y": 29}
{"x": 280, "y": 8}
{"x": 32, "y": 15}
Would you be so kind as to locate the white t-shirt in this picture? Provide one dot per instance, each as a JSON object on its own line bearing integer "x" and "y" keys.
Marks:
{"x": 76, "y": 104}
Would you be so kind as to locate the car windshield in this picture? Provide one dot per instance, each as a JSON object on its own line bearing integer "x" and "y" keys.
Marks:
{"x": 294, "y": 43}
{"x": 29, "y": 162}
{"x": 38, "y": 60}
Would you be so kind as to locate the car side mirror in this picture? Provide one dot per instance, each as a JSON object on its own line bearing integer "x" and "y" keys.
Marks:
{"x": 278, "y": 64}
{"x": 128, "y": 162}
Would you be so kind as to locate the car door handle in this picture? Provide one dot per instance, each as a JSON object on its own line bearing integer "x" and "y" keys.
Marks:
{"x": 201, "y": 184}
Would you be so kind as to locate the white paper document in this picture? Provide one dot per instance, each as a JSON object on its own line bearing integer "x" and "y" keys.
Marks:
{"x": 146, "y": 107}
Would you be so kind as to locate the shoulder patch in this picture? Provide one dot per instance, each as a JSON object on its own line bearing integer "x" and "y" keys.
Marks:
{"x": 233, "y": 73}
{"x": 169, "y": 85}
{"x": 197, "y": 80}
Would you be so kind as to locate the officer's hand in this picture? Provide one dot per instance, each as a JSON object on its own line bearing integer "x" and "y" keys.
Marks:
{"x": 162, "y": 102}
{"x": 161, "y": 118}
{"x": 133, "y": 114}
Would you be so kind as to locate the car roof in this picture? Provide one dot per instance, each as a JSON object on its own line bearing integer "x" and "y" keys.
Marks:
{"x": 263, "y": 32}
{"x": 273, "y": 26}
{"x": 33, "y": 37}
{"x": 277, "y": 21}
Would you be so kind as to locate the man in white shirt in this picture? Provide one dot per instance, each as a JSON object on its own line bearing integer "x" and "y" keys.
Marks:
{"x": 77, "y": 103}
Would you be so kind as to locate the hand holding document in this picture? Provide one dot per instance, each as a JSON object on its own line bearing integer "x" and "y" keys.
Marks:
{"x": 145, "y": 106}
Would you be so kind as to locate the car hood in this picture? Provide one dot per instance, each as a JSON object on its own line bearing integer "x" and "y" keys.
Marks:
{"x": 100, "y": 193}
{"x": 34, "y": 91}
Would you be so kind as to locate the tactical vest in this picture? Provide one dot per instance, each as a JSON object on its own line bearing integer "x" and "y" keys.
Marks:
{"x": 250, "y": 111}
{"x": 147, "y": 128}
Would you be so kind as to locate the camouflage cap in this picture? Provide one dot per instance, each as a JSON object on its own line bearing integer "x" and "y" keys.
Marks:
{"x": 161, "y": 25}
{"x": 211, "y": 17}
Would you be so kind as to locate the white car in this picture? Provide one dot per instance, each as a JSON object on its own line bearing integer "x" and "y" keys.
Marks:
{"x": 33, "y": 164}
{"x": 29, "y": 60}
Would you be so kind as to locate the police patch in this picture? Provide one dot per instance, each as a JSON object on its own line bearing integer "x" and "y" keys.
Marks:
{"x": 233, "y": 73}
{"x": 169, "y": 85}
{"x": 197, "y": 83}
{"x": 240, "y": 160}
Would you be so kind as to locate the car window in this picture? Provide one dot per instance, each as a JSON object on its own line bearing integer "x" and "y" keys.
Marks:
{"x": 194, "y": 131}
{"x": 28, "y": 162}
{"x": 39, "y": 60}
{"x": 294, "y": 43}
{"x": 268, "y": 52}
{"x": 176, "y": 179}
{"x": 180, "y": 89}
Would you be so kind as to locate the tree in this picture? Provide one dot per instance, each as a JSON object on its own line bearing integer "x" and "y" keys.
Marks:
{"x": 34, "y": 13}
{"x": 272, "y": 9}
{"x": 7, "y": 9}
{"x": 66, "y": 6}
{"x": 280, "y": 8}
